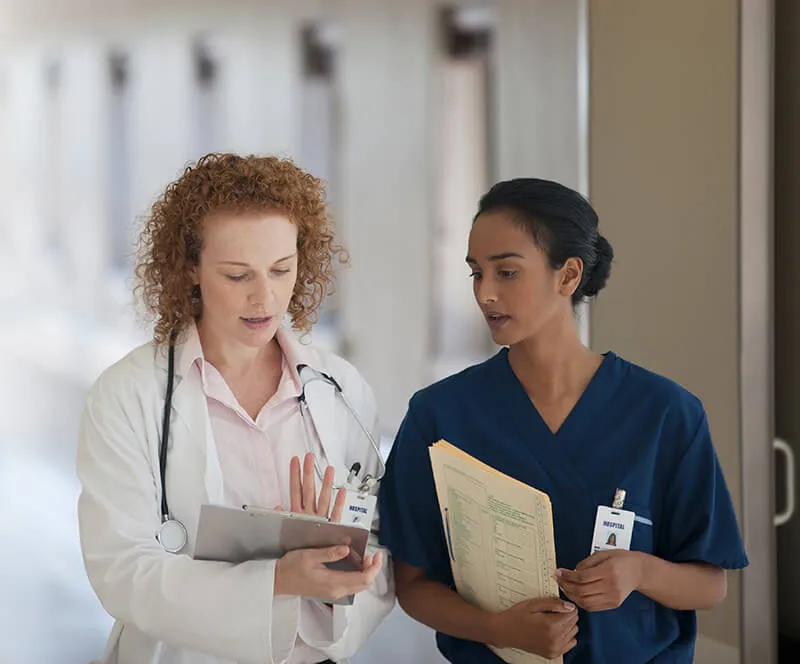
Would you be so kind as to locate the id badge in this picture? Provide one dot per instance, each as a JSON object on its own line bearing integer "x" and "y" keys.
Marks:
{"x": 359, "y": 508}
{"x": 613, "y": 529}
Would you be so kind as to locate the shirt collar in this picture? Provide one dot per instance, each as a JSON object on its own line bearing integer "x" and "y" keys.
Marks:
{"x": 190, "y": 352}
{"x": 294, "y": 354}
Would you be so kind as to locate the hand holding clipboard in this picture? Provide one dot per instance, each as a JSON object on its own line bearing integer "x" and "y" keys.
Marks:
{"x": 317, "y": 557}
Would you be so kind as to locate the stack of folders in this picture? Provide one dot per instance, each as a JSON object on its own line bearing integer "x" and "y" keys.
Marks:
{"x": 499, "y": 534}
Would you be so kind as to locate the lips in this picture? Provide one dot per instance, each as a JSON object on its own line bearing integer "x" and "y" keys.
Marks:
{"x": 496, "y": 319}
{"x": 257, "y": 322}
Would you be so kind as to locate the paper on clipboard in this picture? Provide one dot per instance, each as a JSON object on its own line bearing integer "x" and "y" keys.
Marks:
{"x": 233, "y": 535}
{"x": 499, "y": 535}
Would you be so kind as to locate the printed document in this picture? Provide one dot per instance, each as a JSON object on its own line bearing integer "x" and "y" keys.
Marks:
{"x": 499, "y": 534}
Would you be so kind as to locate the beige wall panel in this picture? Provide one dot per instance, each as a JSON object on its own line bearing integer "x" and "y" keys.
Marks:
{"x": 664, "y": 177}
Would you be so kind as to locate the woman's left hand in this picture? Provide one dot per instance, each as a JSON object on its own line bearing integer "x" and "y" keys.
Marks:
{"x": 303, "y": 491}
{"x": 603, "y": 580}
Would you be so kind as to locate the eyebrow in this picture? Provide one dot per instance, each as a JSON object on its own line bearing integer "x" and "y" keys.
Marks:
{"x": 240, "y": 264}
{"x": 496, "y": 257}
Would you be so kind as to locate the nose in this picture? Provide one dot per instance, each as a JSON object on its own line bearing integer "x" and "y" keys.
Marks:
{"x": 260, "y": 293}
{"x": 485, "y": 291}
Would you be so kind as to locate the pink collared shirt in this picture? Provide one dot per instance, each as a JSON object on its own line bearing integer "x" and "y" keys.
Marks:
{"x": 254, "y": 455}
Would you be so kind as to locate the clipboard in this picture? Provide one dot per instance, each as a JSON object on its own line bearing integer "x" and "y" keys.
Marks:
{"x": 227, "y": 534}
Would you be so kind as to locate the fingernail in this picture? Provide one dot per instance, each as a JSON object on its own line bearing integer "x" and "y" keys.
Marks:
{"x": 559, "y": 572}
{"x": 569, "y": 606}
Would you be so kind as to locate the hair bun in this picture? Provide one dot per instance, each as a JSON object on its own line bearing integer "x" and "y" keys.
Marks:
{"x": 601, "y": 270}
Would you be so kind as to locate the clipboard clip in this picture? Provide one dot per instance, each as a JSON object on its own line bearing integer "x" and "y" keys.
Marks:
{"x": 299, "y": 516}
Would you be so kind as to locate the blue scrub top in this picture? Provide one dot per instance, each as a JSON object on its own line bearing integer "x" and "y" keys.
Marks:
{"x": 631, "y": 429}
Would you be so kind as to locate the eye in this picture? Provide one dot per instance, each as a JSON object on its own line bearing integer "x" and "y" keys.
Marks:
{"x": 507, "y": 274}
{"x": 281, "y": 272}
{"x": 236, "y": 277}
{"x": 475, "y": 276}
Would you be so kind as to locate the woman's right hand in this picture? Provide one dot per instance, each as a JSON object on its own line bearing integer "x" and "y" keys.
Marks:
{"x": 544, "y": 627}
{"x": 303, "y": 491}
{"x": 303, "y": 573}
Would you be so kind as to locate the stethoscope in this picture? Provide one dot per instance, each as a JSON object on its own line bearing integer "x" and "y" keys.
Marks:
{"x": 309, "y": 375}
{"x": 172, "y": 534}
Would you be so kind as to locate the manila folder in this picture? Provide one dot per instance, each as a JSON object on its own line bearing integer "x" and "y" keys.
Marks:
{"x": 499, "y": 534}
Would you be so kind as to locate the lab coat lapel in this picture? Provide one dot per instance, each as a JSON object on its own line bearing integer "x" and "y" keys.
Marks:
{"x": 327, "y": 431}
{"x": 194, "y": 475}
{"x": 194, "y": 441}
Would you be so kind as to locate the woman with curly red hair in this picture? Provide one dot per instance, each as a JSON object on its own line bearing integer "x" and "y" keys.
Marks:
{"x": 210, "y": 412}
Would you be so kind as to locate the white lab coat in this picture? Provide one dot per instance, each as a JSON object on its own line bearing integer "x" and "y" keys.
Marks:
{"x": 171, "y": 609}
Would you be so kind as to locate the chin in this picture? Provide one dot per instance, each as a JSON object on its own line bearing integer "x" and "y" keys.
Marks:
{"x": 259, "y": 338}
{"x": 505, "y": 337}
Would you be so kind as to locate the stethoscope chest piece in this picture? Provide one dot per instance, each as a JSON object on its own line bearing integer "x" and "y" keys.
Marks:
{"x": 172, "y": 536}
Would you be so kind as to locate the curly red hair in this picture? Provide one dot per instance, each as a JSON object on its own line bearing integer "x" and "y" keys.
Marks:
{"x": 171, "y": 241}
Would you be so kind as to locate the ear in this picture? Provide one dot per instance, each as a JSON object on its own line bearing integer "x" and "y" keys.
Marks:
{"x": 195, "y": 275}
{"x": 570, "y": 275}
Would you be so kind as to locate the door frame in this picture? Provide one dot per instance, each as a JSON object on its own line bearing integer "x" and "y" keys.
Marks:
{"x": 759, "y": 626}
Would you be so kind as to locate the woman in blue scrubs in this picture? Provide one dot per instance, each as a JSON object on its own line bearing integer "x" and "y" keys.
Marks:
{"x": 578, "y": 426}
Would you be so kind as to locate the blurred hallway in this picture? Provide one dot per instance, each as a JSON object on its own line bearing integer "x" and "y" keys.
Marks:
{"x": 54, "y": 616}
{"x": 409, "y": 109}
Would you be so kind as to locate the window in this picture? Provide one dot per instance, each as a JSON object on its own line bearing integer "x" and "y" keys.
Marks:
{"x": 459, "y": 334}
{"x": 121, "y": 213}
{"x": 208, "y": 104}
{"x": 318, "y": 144}
{"x": 52, "y": 204}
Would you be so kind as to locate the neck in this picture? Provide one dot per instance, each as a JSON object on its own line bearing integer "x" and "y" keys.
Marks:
{"x": 232, "y": 358}
{"x": 554, "y": 362}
